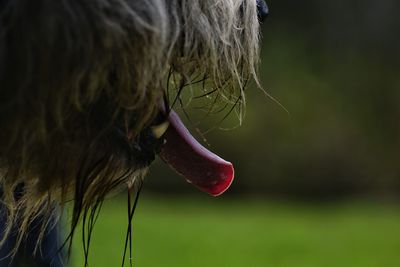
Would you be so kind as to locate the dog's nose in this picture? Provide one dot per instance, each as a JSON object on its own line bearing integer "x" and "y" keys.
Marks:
{"x": 262, "y": 10}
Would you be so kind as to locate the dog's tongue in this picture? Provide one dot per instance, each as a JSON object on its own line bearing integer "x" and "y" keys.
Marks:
{"x": 198, "y": 165}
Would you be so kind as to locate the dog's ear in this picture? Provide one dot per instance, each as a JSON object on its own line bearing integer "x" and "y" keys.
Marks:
{"x": 62, "y": 57}
{"x": 70, "y": 71}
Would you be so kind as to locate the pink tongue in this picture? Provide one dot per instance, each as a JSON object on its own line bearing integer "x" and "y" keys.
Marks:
{"x": 198, "y": 165}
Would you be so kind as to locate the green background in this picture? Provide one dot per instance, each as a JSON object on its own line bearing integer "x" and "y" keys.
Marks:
{"x": 201, "y": 232}
{"x": 318, "y": 185}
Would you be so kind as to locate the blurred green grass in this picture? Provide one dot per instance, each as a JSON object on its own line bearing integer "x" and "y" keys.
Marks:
{"x": 246, "y": 232}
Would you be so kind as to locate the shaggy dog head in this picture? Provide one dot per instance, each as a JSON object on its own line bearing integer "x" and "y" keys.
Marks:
{"x": 84, "y": 83}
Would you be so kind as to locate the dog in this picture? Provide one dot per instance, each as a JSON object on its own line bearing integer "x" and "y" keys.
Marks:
{"x": 85, "y": 102}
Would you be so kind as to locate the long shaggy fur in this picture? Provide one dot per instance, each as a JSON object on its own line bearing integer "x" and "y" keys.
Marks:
{"x": 81, "y": 81}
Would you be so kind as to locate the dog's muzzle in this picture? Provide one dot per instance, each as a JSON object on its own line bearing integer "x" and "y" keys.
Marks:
{"x": 171, "y": 140}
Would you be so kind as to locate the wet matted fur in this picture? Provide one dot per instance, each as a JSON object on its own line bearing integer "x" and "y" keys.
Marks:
{"x": 82, "y": 81}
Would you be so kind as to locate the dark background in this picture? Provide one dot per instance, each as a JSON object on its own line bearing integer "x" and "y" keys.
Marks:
{"x": 334, "y": 66}
{"x": 315, "y": 186}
